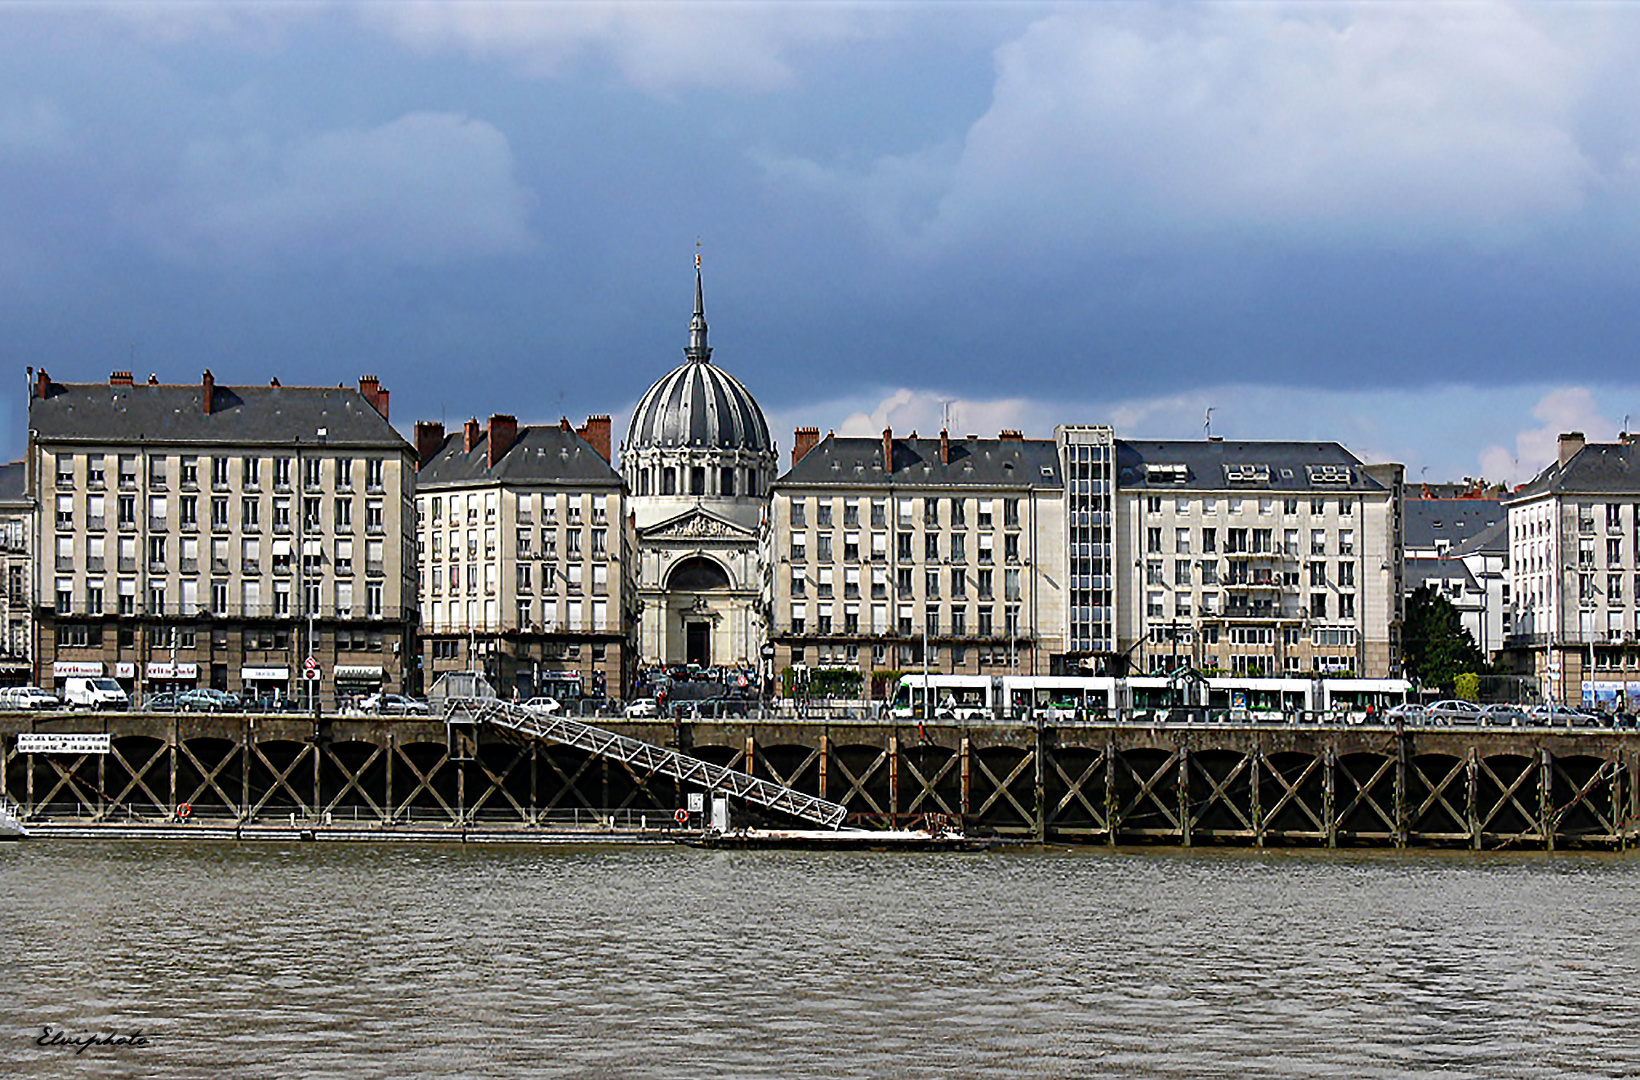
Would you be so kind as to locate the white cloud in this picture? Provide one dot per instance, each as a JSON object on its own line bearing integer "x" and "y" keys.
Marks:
{"x": 1442, "y": 433}
{"x": 658, "y": 47}
{"x": 1404, "y": 122}
{"x": 425, "y": 188}
{"x": 1562, "y": 410}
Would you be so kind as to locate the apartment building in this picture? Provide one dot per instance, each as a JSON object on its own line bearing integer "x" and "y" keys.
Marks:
{"x": 1457, "y": 544}
{"x": 526, "y": 550}
{"x": 1574, "y": 531}
{"x": 1256, "y": 558}
{"x": 886, "y": 553}
{"x": 206, "y": 535}
{"x": 16, "y": 577}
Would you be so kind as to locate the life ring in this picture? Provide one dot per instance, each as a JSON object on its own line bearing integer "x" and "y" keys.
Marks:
{"x": 681, "y": 816}
{"x": 184, "y": 810}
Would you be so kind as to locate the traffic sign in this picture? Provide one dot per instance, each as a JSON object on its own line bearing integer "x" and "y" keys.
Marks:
{"x": 768, "y": 652}
{"x": 310, "y": 664}
{"x": 311, "y": 674}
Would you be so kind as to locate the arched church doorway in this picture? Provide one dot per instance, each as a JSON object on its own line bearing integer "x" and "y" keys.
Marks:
{"x": 702, "y": 577}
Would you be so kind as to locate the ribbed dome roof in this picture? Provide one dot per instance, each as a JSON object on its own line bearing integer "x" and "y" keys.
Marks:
{"x": 698, "y": 405}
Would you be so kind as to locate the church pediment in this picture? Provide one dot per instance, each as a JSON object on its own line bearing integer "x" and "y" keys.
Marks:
{"x": 696, "y": 525}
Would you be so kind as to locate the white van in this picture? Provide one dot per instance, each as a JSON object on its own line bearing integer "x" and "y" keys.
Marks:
{"x": 95, "y": 694}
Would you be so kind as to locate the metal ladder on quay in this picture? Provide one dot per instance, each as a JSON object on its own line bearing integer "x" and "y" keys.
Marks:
{"x": 689, "y": 770}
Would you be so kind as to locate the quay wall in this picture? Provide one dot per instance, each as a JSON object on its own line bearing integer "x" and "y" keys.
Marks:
{"x": 1095, "y": 783}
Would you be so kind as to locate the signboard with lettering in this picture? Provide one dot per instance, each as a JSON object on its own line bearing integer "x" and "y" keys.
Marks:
{"x": 76, "y": 669}
{"x": 29, "y": 742}
{"x": 166, "y": 670}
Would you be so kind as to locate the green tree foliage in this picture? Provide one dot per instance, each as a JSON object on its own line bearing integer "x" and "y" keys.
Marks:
{"x": 1434, "y": 644}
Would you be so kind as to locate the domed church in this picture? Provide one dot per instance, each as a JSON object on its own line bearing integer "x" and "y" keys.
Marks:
{"x": 698, "y": 464}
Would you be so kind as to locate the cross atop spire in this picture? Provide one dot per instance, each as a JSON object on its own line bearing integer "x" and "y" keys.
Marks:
{"x": 698, "y": 351}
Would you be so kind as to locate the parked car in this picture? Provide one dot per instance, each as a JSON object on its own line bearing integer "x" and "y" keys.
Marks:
{"x": 543, "y": 705}
{"x": 28, "y": 697}
{"x": 1409, "y": 712}
{"x": 1502, "y": 715}
{"x": 642, "y": 708}
{"x": 1453, "y": 711}
{"x": 392, "y": 705}
{"x": 272, "y": 703}
{"x": 95, "y": 693}
{"x": 205, "y": 699}
{"x": 165, "y": 701}
{"x": 1559, "y": 716}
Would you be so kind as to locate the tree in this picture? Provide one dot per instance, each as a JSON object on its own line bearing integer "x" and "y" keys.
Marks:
{"x": 1435, "y": 646}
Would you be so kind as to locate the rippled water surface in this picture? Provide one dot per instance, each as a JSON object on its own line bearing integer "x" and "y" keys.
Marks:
{"x": 452, "y": 962}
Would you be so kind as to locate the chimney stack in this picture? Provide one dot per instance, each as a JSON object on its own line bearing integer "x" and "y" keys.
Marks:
{"x": 471, "y": 431}
{"x": 370, "y": 388}
{"x": 503, "y": 433}
{"x": 1010, "y": 433}
{"x": 888, "y": 450}
{"x": 209, "y": 391}
{"x": 1570, "y": 443}
{"x": 596, "y": 432}
{"x": 429, "y": 440}
{"x": 153, "y": 379}
{"x": 945, "y": 447}
{"x": 42, "y": 383}
{"x": 118, "y": 378}
{"x": 804, "y": 439}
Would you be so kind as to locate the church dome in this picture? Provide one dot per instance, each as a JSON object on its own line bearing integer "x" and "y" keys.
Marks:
{"x": 697, "y": 405}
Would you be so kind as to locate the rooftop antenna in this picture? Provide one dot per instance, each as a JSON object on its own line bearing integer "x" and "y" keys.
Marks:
{"x": 1207, "y": 422}
{"x": 945, "y": 413}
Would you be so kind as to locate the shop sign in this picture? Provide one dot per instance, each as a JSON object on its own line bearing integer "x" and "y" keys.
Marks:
{"x": 171, "y": 671}
{"x": 264, "y": 674}
{"x": 125, "y": 669}
{"x": 71, "y": 669}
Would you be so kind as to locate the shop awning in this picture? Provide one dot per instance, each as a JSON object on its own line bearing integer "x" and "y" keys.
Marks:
{"x": 358, "y": 671}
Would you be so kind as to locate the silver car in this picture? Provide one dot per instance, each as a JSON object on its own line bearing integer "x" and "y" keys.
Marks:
{"x": 1454, "y": 711}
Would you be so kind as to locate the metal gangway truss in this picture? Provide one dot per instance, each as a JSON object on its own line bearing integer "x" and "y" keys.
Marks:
{"x": 689, "y": 770}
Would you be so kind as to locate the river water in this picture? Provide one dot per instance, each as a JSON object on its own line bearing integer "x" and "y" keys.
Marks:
{"x": 450, "y": 961}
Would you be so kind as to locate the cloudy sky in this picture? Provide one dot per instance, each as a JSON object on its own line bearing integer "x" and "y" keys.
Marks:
{"x": 1413, "y": 228}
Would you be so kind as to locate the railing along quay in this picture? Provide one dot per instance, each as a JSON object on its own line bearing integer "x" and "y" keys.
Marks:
{"x": 1097, "y": 781}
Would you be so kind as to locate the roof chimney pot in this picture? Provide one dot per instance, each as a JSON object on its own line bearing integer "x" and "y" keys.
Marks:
{"x": 1570, "y": 443}
{"x": 804, "y": 439}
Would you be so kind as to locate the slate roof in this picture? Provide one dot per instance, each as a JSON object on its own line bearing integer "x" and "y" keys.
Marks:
{"x": 699, "y": 405}
{"x": 1424, "y": 571}
{"x": 1597, "y": 469}
{"x": 12, "y": 479}
{"x": 1426, "y": 521}
{"x": 1494, "y": 540}
{"x": 852, "y": 462}
{"x": 240, "y": 415}
{"x": 545, "y": 454}
{"x": 1222, "y": 465}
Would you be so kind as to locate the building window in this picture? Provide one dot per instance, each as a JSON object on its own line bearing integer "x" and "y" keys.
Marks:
{"x": 373, "y": 472}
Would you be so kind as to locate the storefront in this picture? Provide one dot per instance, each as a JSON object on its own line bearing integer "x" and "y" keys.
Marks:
{"x": 63, "y": 670}
{"x": 269, "y": 685}
{"x": 169, "y": 675}
{"x": 354, "y": 681}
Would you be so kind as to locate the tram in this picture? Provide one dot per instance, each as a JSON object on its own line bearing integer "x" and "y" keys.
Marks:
{"x": 1151, "y": 698}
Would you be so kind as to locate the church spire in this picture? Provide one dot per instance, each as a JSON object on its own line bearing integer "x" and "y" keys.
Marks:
{"x": 698, "y": 351}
